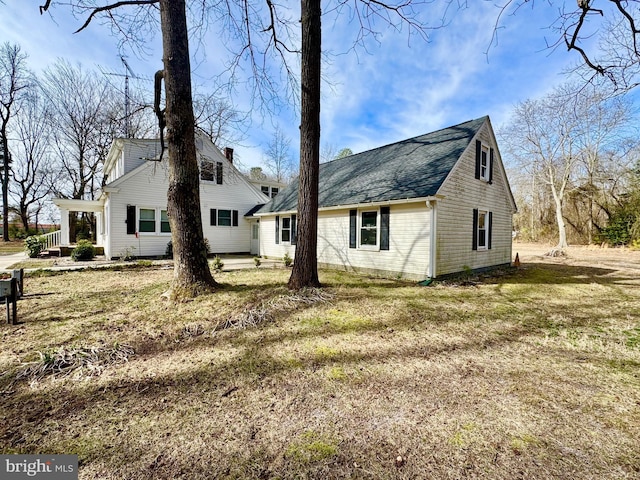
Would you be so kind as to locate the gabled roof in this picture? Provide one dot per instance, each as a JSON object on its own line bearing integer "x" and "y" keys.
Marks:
{"x": 412, "y": 168}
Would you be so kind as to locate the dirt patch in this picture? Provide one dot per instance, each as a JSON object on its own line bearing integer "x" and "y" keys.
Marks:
{"x": 620, "y": 258}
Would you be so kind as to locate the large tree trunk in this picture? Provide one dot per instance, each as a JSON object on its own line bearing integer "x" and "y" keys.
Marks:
{"x": 191, "y": 272}
{"x": 5, "y": 182}
{"x": 305, "y": 267}
{"x": 562, "y": 231}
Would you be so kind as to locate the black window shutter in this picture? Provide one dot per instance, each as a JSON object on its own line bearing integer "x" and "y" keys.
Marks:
{"x": 384, "y": 228}
{"x": 478, "y": 157}
{"x": 490, "y": 165}
{"x": 277, "y": 229}
{"x": 294, "y": 230}
{"x": 490, "y": 228}
{"x": 235, "y": 218}
{"x": 219, "y": 173}
{"x": 131, "y": 219}
{"x": 213, "y": 217}
{"x": 353, "y": 220}
{"x": 475, "y": 229}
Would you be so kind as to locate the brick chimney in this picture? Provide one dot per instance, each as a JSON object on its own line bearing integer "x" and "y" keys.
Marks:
{"x": 228, "y": 152}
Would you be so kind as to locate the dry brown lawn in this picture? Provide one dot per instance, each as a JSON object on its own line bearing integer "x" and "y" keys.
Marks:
{"x": 527, "y": 373}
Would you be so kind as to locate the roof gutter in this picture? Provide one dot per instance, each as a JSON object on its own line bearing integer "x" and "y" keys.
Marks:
{"x": 401, "y": 201}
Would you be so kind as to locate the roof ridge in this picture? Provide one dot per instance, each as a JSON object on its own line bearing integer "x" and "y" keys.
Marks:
{"x": 406, "y": 139}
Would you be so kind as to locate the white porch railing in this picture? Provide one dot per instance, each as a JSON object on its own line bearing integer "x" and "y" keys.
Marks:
{"x": 51, "y": 239}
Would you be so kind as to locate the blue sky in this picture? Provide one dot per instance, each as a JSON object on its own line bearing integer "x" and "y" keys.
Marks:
{"x": 396, "y": 88}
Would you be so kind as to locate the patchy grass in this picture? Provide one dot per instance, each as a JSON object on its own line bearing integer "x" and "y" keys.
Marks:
{"x": 533, "y": 373}
{"x": 9, "y": 248}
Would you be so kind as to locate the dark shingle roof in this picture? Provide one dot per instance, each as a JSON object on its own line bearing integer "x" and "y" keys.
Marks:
{"x": 412, "y": 168}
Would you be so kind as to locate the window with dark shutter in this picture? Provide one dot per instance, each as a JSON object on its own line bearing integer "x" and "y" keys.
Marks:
{"x": 384, "y": 228}
{"x": 478, "y": 157}
{"x": 489, "y": 230}
{"x": 294, "y": 230}
{"x": 131, "y": 219}
{"x": 353, "y": 228}
{"x": 219, "y": 173}
{"x": 235, "y": 218}
{"x": 475, "y": 230}
{"x": 491, "y": 166}
{"x": 277, "y": 229}
{"x": 206, "y": 170}
{"x": 213, "y": 217}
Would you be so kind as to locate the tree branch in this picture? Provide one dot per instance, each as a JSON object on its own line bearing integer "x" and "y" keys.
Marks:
{"x": 106, "y": 8}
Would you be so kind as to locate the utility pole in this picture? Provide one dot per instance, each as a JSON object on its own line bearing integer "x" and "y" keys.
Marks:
{"x": 5, "y": 161}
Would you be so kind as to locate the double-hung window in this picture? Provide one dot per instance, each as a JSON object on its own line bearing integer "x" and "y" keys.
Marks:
{"x": 153, "y": 221}
{"x": 165, "y": 227}
{"x": 482, "y": 230}
{"x": 147, "y": 220}
{"x": 206, "y": 170}
{"x": 484, "y": 162}
{"x": 223, "y": 218}
{"x": 369, "y": 228}
{"x": 286, "y": 229}
{"x": 482, "y": 226}
{"x": 211, "y": 172}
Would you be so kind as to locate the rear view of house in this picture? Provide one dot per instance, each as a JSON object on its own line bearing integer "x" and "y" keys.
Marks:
{"x": 424, "y": 207}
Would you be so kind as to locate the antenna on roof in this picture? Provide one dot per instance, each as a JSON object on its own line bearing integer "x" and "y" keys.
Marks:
{"x": 127, "y": 100}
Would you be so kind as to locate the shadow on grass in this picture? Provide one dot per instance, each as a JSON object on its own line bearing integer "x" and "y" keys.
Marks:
{"x": 256, "y": 363}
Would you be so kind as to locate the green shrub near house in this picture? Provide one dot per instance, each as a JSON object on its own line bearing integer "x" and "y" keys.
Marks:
{"x": 33, "y": 245}
{"x": 83, "y": 251}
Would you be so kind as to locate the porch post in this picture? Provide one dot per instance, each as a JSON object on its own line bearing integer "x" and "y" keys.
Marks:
{"x": 64, "y": 227}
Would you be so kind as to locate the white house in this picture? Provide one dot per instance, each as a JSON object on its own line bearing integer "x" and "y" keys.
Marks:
{"x": 131, "y": 212}
{"x": 431, "y": 205}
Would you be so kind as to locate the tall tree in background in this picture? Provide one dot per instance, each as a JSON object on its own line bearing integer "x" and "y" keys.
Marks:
{"x": 81, "y": 120}
{"x": 278, "y": 156}
{"x": 573, "y": 148}
{"x": 32, "y": 164}
{"x": 218, "y": 119}
{"x": 541, "y": 135}
{"x": 14, "y": 79}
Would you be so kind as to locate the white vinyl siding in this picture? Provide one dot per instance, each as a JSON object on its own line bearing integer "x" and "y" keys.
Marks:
{"x": 409, "y": 236}
{"x": 147, "y": 188}
{"x": 462, "y": 194}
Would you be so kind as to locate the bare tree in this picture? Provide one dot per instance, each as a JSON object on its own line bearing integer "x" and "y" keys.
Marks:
{"x": 541, "y": 137}
{"x": 14, "y": 79}
{"x": 605, "y": 137}
{"x": 31, "y": 168}
{"x": 614, "y": 56}
{"x": 278, "y": 159}
{"x": 218, "y": 119}
{"x": 80, "y": 124}
{"x": 573, "y": 148}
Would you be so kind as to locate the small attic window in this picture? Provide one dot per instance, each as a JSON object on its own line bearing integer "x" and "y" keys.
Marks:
{"x": 207, "y": 170}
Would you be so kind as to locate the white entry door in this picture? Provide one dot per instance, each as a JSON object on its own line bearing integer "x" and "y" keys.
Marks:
{"x": 255, "y": 238}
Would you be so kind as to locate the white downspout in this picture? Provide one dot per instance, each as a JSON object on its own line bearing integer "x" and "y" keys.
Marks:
{"x": 433, "y": 238}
